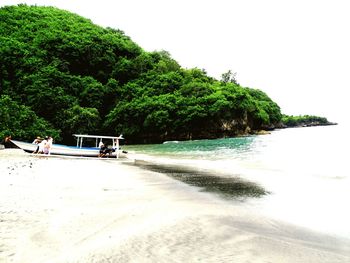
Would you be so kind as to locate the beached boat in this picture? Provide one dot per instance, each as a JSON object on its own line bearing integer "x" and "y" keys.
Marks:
{"x": 79, "y": 150}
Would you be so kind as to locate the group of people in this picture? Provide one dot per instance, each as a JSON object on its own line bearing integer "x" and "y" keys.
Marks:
{"x": 44, "y": 145}
{"x": 104, "y": 150}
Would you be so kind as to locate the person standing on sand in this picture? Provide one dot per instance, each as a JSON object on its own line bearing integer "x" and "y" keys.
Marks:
{"x": 48, "y": 145}
{"x": 42, "y": 145}
{"x": 7, "y": 142}
{"x": 37, "y": 141}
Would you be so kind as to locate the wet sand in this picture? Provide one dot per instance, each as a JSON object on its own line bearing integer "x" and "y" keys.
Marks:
{"x": 81, "y": 210}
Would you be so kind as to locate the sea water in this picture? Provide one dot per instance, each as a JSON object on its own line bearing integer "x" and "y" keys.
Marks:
{"x": 304, "y": 171}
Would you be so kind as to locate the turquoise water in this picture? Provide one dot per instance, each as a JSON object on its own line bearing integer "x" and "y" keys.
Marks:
{"x": 305, "y": 171}
{"x": 200, "y": 149}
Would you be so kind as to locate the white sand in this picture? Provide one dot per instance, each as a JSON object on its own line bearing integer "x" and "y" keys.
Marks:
{"x": 78, "y": 210}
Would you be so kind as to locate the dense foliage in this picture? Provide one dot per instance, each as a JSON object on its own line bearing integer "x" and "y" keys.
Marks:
{"x": 71, "y": 76}
{"x": 21, "y": 122}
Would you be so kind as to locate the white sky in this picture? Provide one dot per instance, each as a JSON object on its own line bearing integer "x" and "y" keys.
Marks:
{"x": 297, "y": 51}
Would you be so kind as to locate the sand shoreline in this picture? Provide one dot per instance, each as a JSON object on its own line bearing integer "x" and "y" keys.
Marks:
{"x": 78, "y": 210}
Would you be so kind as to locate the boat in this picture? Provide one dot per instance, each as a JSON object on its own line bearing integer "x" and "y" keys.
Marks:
{"x": 79, "y": 150}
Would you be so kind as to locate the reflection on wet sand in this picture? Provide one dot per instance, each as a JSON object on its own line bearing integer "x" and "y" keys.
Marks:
{"x": 228, "y": 186}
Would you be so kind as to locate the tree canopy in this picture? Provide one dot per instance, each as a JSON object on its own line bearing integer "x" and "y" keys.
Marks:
{"x": 68, "y": 75}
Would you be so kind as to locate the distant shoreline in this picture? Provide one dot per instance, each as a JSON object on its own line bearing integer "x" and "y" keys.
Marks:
{"x": 262, "y": 131}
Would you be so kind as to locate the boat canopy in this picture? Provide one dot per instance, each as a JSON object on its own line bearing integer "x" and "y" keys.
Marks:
{"x": 115, "y": 139}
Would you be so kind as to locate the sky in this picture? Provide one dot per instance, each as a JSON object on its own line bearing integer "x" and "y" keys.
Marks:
{"x": 297, "y": 51}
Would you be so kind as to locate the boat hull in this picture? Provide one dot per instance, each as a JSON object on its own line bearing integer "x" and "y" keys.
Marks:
{"x": 58, "y": 149}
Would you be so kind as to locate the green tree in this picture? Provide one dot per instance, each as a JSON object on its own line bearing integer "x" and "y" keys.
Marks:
{"x": 22, "y": 123}
{"x": 80, "y": 120}
{"x": 229, "y": 76}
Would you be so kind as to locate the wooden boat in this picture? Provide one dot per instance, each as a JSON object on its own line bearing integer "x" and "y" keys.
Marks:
{"x": 79, "y": 150}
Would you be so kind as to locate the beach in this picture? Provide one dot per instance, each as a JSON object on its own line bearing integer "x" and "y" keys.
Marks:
{"x": 88, "y": 210}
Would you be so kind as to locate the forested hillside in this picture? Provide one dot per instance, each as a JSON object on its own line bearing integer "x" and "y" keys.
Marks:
{"x": 60, "y": 74}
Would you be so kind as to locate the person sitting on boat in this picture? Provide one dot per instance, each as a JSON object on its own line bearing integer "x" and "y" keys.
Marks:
{"x": 100, "y": 144}
{"x": 109, "y": 151}
{"x": 102, "y": 149}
